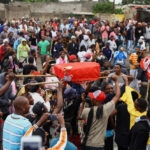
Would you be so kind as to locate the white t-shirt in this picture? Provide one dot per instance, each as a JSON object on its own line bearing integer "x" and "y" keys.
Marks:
{"x": 147, "y": 34}
{"x": 38, "y": 98}
{"x": 81, "y": 55}
{"x": 53, "y": 33}
{"x": 112, "y": 45}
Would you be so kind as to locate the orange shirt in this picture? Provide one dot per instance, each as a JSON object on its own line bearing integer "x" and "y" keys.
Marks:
{"x": 134, "y": 59}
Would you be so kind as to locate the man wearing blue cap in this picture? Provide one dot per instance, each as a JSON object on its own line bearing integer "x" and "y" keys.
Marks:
{"x": 71, "y": 107}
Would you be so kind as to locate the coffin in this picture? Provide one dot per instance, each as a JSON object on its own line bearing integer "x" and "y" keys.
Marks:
{"x": 77, "y": 72}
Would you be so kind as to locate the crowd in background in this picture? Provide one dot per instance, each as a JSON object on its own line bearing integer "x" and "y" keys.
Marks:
{"x": 89, "y": 115}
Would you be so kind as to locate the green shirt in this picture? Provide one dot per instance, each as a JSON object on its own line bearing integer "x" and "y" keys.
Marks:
{"x": 43, "y": 46}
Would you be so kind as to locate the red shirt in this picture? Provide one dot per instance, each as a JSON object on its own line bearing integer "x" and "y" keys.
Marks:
{"x": 2, "y": 52}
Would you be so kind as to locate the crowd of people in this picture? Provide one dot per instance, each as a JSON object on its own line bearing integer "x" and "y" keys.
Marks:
{"x": 67, "y": 115}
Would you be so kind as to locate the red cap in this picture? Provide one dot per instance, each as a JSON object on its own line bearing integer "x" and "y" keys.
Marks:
{"x": 72, "y": 57}
{"x": 36, "y": 73}
{"x": 88, "y": 55}
{"x": 98, "y": 95}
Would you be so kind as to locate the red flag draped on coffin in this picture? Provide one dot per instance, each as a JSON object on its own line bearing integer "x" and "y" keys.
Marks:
{"x": 77, "y": 72}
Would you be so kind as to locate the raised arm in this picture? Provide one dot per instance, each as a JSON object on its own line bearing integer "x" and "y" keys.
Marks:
{"x": 82, "y": 105}
{"x": 7, "y": 84}
{"x": 59, "y": 98}
{"x": 117, "y": 96}
{"x": 61, "y": 144}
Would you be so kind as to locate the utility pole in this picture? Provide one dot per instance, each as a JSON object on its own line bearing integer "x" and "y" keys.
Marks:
{"x": 113, "y": 6}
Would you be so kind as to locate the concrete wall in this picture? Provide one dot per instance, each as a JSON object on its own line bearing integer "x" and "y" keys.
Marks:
{"x": 2, "y": 10}
{"x": 44, "y": 10}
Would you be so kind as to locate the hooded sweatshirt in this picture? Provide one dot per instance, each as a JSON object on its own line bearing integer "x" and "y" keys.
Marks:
{"x": 22, "y": 51}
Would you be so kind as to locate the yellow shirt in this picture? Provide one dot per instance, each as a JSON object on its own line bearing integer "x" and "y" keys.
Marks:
{"x": 21, "y": 92}
{"x": 127, "y": 98}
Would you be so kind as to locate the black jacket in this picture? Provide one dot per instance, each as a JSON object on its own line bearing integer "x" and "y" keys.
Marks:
{"x": 138, "y": 32}
{"x": 139, "y": 134}
{"x": 73, "y": 48}
{"x": 122, "y": 125}
{"x": 130, "y": 34}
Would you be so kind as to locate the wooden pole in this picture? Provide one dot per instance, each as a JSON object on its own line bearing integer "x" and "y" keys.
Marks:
{"x": 39, "y": 83}
{"x": 30, "y": 75}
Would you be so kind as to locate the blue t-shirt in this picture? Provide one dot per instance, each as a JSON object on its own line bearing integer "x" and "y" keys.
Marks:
{"x": 69, "y": 145}
{"x": 1, "y": 28}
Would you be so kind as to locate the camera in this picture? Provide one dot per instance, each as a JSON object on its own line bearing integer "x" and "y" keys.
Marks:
{"x": 31, "y": 143}
{"x": 52, "y": 117}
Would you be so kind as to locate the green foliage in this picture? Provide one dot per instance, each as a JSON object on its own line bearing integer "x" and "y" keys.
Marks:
{"x": 124, "y": 2}
{"x": 4, "y": 1}
{"x": 106, "y": 7}
{"x": 118, "y": 11}
{"x": 39, "y": 0}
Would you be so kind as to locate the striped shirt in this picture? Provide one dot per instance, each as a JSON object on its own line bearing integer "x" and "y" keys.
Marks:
{"x": 134, "y": 59}
{"x": 15, "y": 127}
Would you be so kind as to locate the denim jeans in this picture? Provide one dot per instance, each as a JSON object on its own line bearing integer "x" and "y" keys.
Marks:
{"x": 93, "y": 148}
{"x": 129, "y": 46}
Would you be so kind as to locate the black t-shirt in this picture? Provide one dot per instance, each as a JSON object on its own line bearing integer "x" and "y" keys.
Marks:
{"x": 28, "y": 68}
{"x": 139, "y": 134}
{"x": 33, "y": 41}
{"x": 70, "y": 109}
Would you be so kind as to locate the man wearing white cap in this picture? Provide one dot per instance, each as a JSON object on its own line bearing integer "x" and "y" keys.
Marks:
{"x": 142, "y": 38}
{"x": 73, "y": 46}
{"x": 141, "y": 44}
{"x": 85, "y": 42}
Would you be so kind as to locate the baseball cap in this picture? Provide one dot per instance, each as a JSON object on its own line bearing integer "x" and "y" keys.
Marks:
{"x": 98, "y": 95}
{"x": 5, "y": 40}
{"x": 107, "y": 43}
{"x": 72, "y": 57}
{"x": 140, "y": 41}
{"x": 141, "y": 37}
{"x": 86, "y": 37}
{"x": 73, "y": 37}
{"x": 70, "y": 93}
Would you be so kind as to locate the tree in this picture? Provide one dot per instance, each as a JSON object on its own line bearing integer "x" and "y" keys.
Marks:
{"x": 4, "y": 1}
{"x": 124, "y": 2}
{"x": 106, "y": 7}
{"x": 38, "y": 0}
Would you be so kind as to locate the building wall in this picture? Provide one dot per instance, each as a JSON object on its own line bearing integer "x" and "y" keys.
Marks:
{"x": 43, "y": 10}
